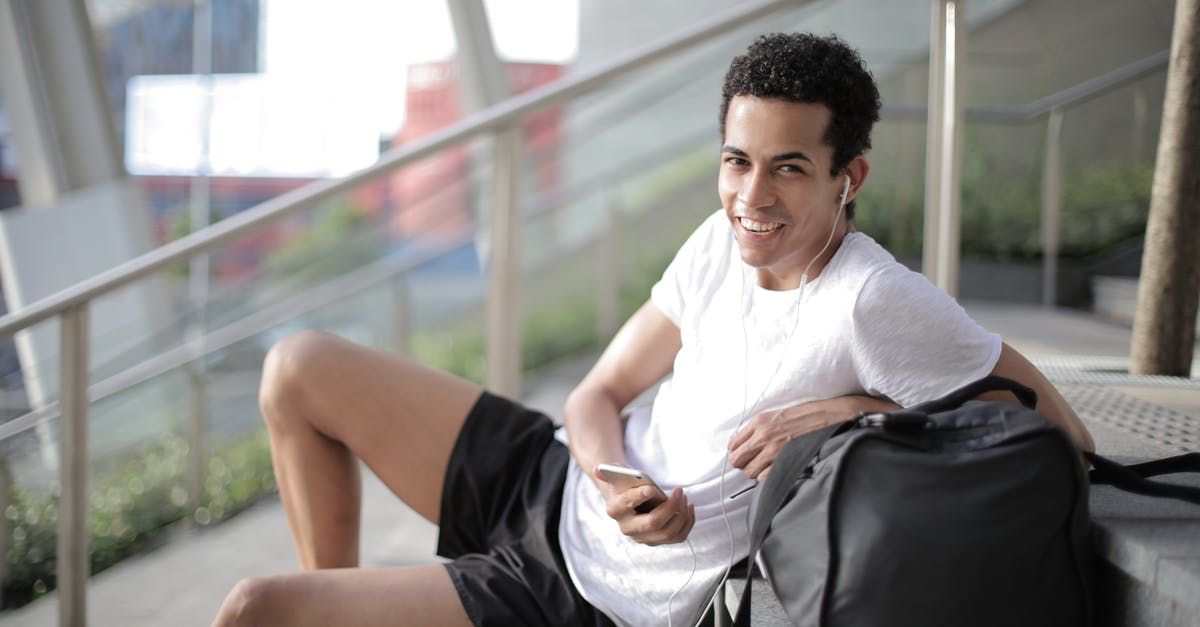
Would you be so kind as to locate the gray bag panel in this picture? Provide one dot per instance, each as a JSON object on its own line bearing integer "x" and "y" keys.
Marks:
{"x": 975, "y": 515}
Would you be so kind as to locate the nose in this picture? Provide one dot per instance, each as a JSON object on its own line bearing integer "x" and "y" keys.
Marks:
{"x": 755, "y": 190}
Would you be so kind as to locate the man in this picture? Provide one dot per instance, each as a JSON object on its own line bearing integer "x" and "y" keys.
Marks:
{"x": 774, "y": 319}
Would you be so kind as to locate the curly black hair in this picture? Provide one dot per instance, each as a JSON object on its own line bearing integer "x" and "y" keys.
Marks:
{"x": 803, "y": 67}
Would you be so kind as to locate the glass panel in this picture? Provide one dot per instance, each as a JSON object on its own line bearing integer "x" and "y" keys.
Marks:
{"x": 1107, "y": 142}
{"x": 29, "y": 470}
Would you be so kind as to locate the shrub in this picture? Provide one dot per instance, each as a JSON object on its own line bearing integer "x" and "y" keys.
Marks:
{"x": 131, "y": 507}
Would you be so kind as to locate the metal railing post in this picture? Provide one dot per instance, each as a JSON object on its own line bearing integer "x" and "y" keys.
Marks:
{"x": 72, "y": 568}
{"x": 199, "y": 266}
{"x": 196, "y": 429}
{"x": 503, "y": 341}
{"x": 1051, "y": 208}
{"x": 943, "y": 158}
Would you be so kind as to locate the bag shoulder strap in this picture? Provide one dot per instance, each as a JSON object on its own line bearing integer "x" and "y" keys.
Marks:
{"x": 773, "y": 491}
{"x": 1133, "y": 478}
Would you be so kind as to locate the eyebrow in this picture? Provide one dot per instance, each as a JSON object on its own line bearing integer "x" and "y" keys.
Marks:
{"x": 787, "y": 156}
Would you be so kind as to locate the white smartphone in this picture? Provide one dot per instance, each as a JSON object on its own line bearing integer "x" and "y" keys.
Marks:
{"x": 624, "y": 478}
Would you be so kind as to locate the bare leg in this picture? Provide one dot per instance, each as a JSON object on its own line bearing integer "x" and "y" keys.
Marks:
{"x": 349, "y": 597}
{"x": 327, "y": 401}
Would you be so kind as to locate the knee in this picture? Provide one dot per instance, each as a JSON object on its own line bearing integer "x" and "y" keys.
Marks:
{"x": 247, "y": 604}
{"x": 289, "y": 370}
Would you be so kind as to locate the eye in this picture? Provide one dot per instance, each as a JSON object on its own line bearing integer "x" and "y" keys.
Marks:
{"x": 738, "y": 161}
{"x": 791, "y": 167}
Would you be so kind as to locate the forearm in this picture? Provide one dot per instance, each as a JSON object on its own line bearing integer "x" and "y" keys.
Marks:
{"x": 754, "y": 448}
{"x": 594, "y": 429}
{"x": 1054, "y": 407}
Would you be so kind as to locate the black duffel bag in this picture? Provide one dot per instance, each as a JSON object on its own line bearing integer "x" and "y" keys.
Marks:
{"x": 950, "y": 513}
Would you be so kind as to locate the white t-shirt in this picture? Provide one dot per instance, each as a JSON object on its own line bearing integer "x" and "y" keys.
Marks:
{"x": 866, "y": 325}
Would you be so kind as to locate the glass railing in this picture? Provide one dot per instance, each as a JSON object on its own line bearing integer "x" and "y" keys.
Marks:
{"x": 615, "y": 185}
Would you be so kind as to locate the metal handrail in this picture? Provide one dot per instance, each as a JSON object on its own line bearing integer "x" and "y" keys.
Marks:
{"x": 1053, "y": 107}
{"x": 326, "y": 293}
{"x": 1060, "y": 100}
{"x": 489, "y": 120}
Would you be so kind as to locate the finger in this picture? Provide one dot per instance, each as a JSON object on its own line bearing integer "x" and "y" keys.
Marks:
{"x": 747, "y": 431}
{"x": 757, "y": 465}
{"x": 663, "y": 516}
{"x": 746, "y": 452}
{"x": 623, "y": 505}
{"x": 740, "y": 437}
{"x": 642, "y": 499}
{"x": 686, "y": 518}
{"x": 691, "y": 522}
{"x": 686, "y": 521}
{"x": 762, "y": 476}
{"x": 665, "y": 522}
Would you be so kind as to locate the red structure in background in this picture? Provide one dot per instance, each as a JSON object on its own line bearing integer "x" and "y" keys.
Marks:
{"x": 432, "y": 199}
{"x": 428, "y": 200}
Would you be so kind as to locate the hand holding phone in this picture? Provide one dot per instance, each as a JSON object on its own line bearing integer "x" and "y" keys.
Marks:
{"x": 624, "y": 478}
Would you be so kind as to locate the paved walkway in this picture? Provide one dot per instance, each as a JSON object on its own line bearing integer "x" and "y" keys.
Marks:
{"x": 182, "y": 583}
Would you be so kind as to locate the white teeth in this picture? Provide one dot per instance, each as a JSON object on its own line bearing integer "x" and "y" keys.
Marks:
{"x": 759, "y": 227}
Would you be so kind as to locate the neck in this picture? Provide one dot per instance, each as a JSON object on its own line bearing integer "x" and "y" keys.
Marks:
{"x": 770, "y": 280}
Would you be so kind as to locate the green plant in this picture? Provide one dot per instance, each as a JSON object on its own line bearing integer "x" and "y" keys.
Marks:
{"x": 1001, "y": 215}
{"x": 1104, "y": 206}
{"x": 131, "y": 506}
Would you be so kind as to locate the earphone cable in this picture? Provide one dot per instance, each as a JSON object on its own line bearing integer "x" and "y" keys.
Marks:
{"x": 685, "y": 583}
{"x": 746, "y": 372}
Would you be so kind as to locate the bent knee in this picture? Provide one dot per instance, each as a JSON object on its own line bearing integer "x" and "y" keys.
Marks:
{"x": 288, "y": 369}
{"x": 249, "y": 603}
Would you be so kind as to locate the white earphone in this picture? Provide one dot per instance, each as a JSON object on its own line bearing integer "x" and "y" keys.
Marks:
{"x": 845, "y": 190}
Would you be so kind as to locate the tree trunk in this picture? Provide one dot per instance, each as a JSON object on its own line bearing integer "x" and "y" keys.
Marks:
{"x": 1164, "y": 325}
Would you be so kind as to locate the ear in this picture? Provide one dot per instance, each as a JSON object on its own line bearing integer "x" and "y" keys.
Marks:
{"x": 858, "y": 169}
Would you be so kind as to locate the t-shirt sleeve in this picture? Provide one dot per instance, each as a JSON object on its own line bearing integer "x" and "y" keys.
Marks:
{"x": 913, "y": 343}
{"x": 670, "y": 294}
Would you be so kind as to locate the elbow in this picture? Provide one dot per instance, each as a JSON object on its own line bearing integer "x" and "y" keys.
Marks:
{"x": 1083, "y": 439}
{"x": 580, "y": 402}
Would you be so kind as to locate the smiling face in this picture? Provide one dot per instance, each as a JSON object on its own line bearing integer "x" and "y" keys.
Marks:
{"x": 777, "y": 190}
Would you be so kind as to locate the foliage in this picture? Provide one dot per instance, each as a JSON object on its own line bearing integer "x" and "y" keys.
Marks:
{"x": 131, "y": 507}
{"x": 457, "y": 350}
{"x": 1001, "y": 218}
{"x": 553, "y": 333}
{"x": 335, "y": 243}
{"x": 1105, "y": 206}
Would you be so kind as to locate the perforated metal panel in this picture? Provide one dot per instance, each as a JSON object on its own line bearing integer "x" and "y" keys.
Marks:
{"x": 1134, "y": 416}
{"x": 1106, "y": 371}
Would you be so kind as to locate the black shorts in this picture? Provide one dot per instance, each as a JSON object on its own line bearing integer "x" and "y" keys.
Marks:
{"x": 499, "y": 520}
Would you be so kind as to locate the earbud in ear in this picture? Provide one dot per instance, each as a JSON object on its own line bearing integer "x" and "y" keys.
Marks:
{"x": 846, "y": 189}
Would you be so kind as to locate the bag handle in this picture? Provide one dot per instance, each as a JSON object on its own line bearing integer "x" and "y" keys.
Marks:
{"x": 968, "y": 392}
{"x": 1133, "y": 478}
{"x": 774, "y": 490}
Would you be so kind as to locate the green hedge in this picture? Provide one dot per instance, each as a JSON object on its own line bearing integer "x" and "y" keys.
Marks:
{"x": 1001, "y": 215}
{"x": 131, "y": 507}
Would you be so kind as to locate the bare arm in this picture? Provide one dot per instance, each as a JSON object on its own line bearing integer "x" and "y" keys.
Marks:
{"x": 754, "y": 448}
{"x": 1013, "y": 365}
{"x": 641, "y": 354}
